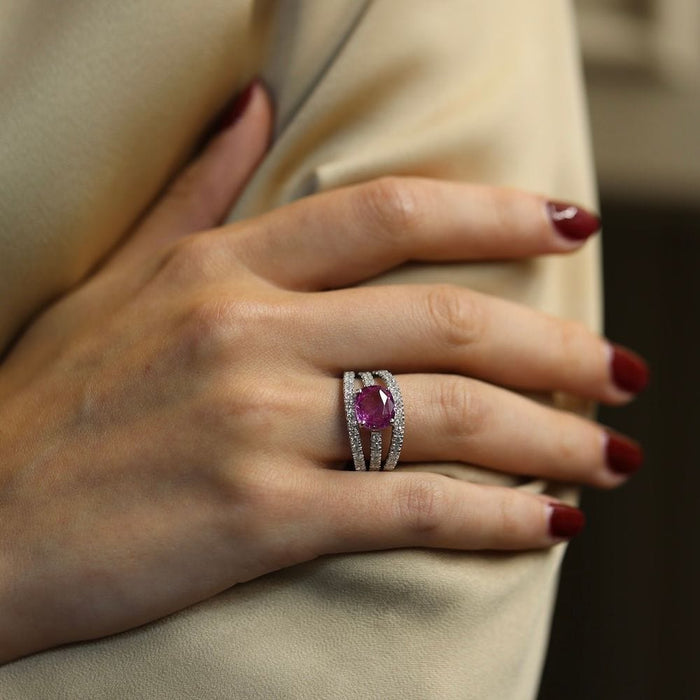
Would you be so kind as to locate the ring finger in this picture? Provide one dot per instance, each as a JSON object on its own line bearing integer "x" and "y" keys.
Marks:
{"x": 454, "y": 418}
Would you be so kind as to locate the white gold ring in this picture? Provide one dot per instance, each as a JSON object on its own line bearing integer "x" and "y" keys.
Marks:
{"x": 373, "y": 407}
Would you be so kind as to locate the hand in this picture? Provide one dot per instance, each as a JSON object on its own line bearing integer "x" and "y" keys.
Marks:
{"x": 174, "y": 425}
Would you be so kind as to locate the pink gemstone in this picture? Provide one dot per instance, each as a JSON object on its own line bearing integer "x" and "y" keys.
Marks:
{"x": 374, "y": 407}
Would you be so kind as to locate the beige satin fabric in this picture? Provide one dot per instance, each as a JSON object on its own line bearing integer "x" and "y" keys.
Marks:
{"x": 101, "y": 101}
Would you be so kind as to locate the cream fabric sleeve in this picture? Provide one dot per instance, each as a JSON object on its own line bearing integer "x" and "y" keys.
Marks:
{"x": 100, "y": 102}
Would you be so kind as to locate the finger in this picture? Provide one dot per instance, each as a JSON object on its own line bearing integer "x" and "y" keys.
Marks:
{"x": 384, "y": 510}
{"x": 201, "y": 196}
{"x": 450, "y": 418}
{"x": 408, "y": 328}
{"x": 339, "y": 238}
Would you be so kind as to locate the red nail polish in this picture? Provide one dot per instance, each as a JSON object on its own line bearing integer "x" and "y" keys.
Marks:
{"x": 565, "y": 522}
{"x": 629, "y": 371}
{"x": 239, "y": 105}
{"x": 571, "y": 221}
{"x": 624, "y": 456}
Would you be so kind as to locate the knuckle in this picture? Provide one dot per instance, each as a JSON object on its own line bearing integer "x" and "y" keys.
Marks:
{"x": 571, "y": 337}
{"x": 187, "y": 192}
{"x": 256, "y": 495}
{"x": 509, "y": 515}
{"x": 576, "y": 454}
{"x": 500, "y": 207}
{"x": 262, "y": 410}
{"x": 455, "y": 315}
{"x": 240, "y": 410}
{"x": 271, "y": 501}
{"x": 514, "y": 211}
{"x": 206, "y": 324}
{"x": 214, "y": 324}
{"x": 461, "y": 406}
{"x": 568, "y": 448}
{"x": 192, "y": 258}
{"x": 423, "y": 503}
{"x": 258, "y": 489}
{"x": 393, "y": 207}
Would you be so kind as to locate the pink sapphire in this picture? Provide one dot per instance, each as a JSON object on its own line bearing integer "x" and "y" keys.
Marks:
{"x": 374, "y": 407}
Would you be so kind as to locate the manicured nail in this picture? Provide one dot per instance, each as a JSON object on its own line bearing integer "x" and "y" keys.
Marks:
{"x": 239, "y": 105}
{"x": 565, "y": 522}
{"x": 624, "y": 456}
{"x": 629, "y": 371}
{"x": 571, "y": 221}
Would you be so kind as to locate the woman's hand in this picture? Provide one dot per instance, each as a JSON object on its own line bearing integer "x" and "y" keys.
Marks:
{"x": 175, "y": 425}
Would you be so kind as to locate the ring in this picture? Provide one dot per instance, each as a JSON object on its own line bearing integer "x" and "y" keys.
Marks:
{"x": 373, "y": 407}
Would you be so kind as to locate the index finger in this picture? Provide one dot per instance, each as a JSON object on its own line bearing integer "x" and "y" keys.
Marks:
{"x": 342, "y": 237}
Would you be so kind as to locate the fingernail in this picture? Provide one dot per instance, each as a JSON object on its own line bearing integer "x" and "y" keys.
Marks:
{"x": 565, "y": 522}
{"x": 629, "y": 371}
{"x": 624, "y": 456}
{"x": 239, "y": 105}
{"x": 571, "y": 221}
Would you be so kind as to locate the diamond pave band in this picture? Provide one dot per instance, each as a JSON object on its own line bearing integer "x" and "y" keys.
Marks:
{"x": 374, "y": 407}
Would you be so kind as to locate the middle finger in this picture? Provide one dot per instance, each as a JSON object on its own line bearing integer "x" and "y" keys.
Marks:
{"x": 452, "y": 329}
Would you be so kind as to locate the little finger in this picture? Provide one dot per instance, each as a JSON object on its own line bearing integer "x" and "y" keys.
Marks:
{"x": 387, "y": 510}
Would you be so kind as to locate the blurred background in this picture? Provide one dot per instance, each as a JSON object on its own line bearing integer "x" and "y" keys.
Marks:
{"x": 627, "y": 623}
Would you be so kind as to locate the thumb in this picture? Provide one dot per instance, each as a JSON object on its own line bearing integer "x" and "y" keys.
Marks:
{"x": 203, "y": 193}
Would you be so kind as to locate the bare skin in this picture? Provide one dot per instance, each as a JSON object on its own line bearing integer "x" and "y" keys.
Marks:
{"x": 173, "y": 426}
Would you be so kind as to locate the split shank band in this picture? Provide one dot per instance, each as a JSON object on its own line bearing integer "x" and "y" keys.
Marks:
{"x": 373, "y": 407}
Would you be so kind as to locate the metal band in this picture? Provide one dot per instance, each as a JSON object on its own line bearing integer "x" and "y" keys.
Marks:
{"x": 358, "y": 456}
{"x": 398, "y": 424}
